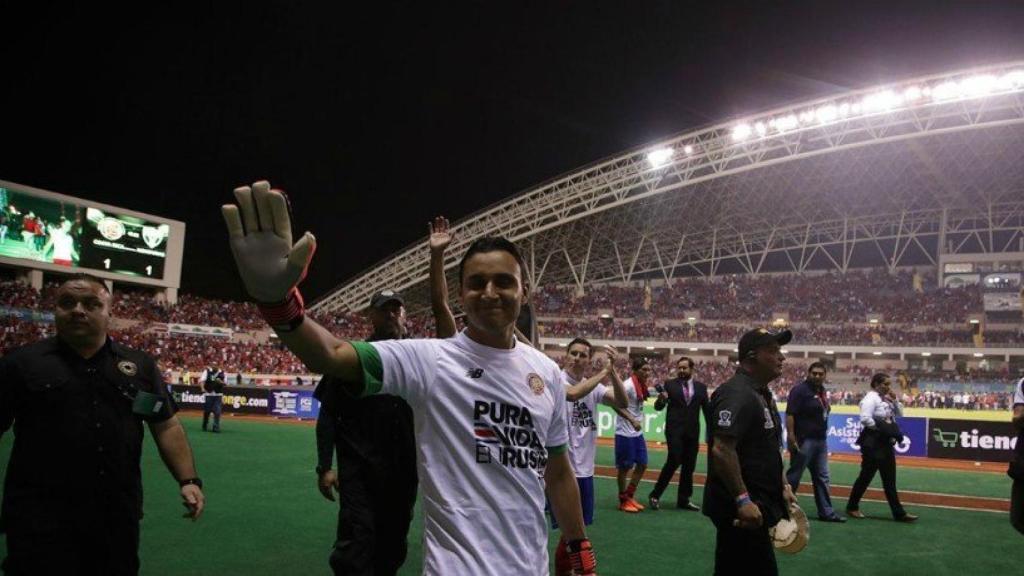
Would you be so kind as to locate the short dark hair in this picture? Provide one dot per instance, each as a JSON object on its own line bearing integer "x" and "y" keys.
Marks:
{"x": 583, "y": 341}
{"x": 816, "y": 365}
{"x": 494, "y": 244}
{"x": 85, "y": 277}
{"x": 689, "y": 361}
{"x": 878, "y": 379}
{"x": 639, "y": 362}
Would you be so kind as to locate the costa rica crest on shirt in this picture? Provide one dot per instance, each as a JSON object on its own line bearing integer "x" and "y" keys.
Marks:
{"x": 536, "y": 383}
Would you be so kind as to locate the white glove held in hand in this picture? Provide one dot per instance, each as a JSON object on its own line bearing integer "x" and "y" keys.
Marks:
{"x": 269, "y": 264}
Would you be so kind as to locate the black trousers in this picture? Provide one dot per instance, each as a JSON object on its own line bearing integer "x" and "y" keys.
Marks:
{"x": 1017, "y": 505}
{"x": 740, "y": 552}
{"x": 375, "y": 510}
{"x": 881, "y": 459}
{"x": 682, "y": 452}
{"x": 77, "y": 547}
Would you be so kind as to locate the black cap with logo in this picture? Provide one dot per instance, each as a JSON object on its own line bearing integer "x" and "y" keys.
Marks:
{"x": 759, "y": 337}
{"x": 384, "y": 297}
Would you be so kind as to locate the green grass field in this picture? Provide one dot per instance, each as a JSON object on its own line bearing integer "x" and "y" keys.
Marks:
{"x": 265, "y": 516}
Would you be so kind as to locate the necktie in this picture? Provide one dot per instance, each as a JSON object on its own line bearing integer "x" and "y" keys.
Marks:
{"x": 686, "y": 392}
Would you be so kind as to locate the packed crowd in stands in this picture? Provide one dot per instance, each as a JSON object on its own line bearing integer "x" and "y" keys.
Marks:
{"x": 863, "y": 335}
{"x": 807, "y": 298}
{"x": 725, "y": 308}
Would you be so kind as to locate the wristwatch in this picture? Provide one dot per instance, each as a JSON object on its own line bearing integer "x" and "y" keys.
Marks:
{"x": 194, "y": 481}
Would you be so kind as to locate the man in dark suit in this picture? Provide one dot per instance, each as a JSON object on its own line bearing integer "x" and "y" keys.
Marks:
{"x": 686, "y": 399}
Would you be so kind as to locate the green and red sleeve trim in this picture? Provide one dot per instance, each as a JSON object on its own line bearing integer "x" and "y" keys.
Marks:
{"x": 372, "y": 367}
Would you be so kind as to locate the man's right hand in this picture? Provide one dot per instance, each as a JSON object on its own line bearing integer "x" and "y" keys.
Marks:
{"x": 269, "y": 264}
{"x": 794, "y": 446}
{"x": 440, "y": 235}
{"x": 328, "y": 484}
{"x": 748, "y": 517}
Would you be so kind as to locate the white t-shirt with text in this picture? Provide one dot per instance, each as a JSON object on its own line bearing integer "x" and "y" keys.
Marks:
{"x": 582, "y": 420}
{"x": 484, "y": 419}
{"x": 635, "y": 408}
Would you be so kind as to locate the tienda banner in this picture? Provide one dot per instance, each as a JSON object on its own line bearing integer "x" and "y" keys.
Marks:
{"x": 843, "y": 430}
{"x": 971, "y": 440}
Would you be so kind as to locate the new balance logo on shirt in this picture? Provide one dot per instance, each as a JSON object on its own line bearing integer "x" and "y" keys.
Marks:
{"x": 475, "y": 372}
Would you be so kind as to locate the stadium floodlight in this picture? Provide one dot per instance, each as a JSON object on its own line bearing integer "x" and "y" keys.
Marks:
{"x": 873, "y": 321}
{"x": 784, "y": 351}
{"x": 650, "y": 347}
{"x": 693, "y": 349}
{"x": 605, "y": 316}
{"x": 979, "y": 355}
{"x": 660, "y": 157}
{"x": 692, "y": 318}
{"x": 926, "y": 354}
{"x": 830, "y": 352}
{"x": 741, "y": 132}
{"x": 876, "y": 353}
{"x": 688, "y": 149}
{"x": 974, "y": 321}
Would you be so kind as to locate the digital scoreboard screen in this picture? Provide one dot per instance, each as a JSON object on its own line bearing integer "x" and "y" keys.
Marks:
{"x": 77, "y": 235}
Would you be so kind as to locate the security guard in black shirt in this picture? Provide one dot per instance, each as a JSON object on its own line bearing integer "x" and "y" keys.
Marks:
{"x": 73, "y": 493}
{"x": 376, "y": 479}
{"x": 746, "y": 491}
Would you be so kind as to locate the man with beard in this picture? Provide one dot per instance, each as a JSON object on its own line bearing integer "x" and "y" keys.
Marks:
{"x": 376, "y": 478}
{"x": 746, "y": 491}
{"x": 686, "y": 399}
{"x": 807, "y": 410}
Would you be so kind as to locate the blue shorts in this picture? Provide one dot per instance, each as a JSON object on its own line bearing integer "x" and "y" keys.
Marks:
{"x": 630, "y": 451}
{"x": 586, "y": 501}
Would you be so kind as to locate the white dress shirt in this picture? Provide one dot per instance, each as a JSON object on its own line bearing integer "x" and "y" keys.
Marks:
{"x": 874, "y": 407}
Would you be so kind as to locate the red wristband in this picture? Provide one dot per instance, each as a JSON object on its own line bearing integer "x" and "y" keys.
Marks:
{"x": 581, "y": 554}
{"x": 286, "y": 315}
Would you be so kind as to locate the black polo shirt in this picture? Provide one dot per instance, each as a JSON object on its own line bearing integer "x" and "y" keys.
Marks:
{"x": 375, "y": 431}
{"x": 810, "y": 419}
{"x": 77, "y": 443}
{"x": 743, "y": 409}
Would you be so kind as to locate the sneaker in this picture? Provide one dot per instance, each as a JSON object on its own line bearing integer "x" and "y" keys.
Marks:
{"x": 627, "y": 506}
{"x": 639, "y": 507}
{"x": 653, "y": 503}
{"x": 833, "y": 518}
{"x": 907, "y": 518}
{"x": 689, "y": 506}
{"x": 855, "y": 514}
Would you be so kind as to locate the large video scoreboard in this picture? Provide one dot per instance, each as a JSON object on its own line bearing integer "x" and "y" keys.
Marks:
{"x": 50, "y": 231}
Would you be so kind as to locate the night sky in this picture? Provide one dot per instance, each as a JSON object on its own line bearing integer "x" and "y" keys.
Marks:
{"x": 377, "y": 116}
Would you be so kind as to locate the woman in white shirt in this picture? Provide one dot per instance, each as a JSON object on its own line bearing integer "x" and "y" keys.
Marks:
{"x": 880, "y": 433}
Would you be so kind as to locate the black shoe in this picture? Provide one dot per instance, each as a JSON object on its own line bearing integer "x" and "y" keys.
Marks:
{"x": 907, "y": 518}
{"x": 855, "y": 514}
{"x": 688, "y": 506}
{"x": 833, "y": 518}
{"x": 653, "y": 503}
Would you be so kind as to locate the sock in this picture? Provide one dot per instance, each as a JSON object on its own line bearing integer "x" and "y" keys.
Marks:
{"x": 623, "y": 496}
{"x": 631, "y": 490}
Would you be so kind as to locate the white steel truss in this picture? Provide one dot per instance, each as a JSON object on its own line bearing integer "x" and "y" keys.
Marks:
{"x": 881, "y": 177}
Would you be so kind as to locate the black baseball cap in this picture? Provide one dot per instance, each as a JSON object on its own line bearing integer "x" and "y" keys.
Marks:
{"x": 758, "y": 337}
{"x": 382, "y": 298}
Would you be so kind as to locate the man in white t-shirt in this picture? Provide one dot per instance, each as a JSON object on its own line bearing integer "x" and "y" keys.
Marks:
{"x": 630, "y": 446}
{"x": 583, "y": 395}
{"x": 490, "y": 414}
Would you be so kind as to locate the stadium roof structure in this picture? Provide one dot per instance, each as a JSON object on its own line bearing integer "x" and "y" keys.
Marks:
{"x": 884, "y": 177}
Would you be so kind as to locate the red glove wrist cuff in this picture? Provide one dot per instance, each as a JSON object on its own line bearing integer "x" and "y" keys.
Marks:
{"x": 286, "y": 315}
{"x": 581, "y": 554}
